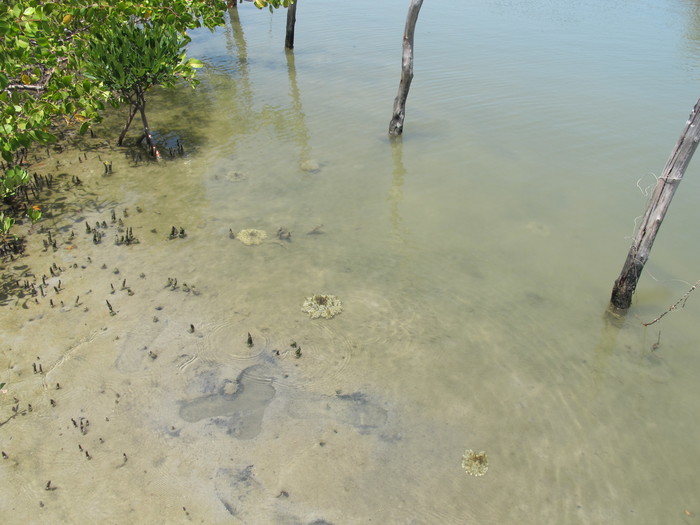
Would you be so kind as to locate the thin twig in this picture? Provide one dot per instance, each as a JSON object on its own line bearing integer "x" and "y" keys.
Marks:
{"x": 674, "y": 306}
{"x": 27, "y": 87}
{"x": 16, "y": 84}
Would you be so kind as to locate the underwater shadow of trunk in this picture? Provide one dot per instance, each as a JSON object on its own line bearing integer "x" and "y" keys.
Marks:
{"x": 612, "y": 324}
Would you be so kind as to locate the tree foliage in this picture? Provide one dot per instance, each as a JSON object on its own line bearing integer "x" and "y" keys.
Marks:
{"x": 128, "y": 59}
{"x": 129, "y": 54}
{"x": 42, "y": 79}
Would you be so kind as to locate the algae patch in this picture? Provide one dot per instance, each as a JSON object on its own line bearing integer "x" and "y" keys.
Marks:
{"x": 251, "y": 237}
{"x": 475, "y": 463}
{"x": 321, "y": 305}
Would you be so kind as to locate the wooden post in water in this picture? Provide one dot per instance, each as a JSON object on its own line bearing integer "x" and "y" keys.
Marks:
{"x": 396, "y": 124}
{"x": 666, "y": 186}
{"x": 291, "y": 20}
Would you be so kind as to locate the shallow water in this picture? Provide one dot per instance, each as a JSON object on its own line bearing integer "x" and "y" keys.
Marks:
{"x": 474, "y": 259}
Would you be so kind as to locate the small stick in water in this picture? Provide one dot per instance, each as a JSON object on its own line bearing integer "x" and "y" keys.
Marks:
{"x": 316, "y": 230}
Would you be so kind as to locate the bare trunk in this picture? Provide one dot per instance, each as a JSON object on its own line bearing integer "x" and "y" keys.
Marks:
{"x": 152, "y": 150}
{"x": 671, "y": 177}
{"x": 396, "y": 124}
{"x": 291, "y": 20}
{"x": 134, "y": 108}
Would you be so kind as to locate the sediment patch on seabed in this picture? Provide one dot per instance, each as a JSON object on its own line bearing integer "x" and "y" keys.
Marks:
{"x": 118, "y": 387}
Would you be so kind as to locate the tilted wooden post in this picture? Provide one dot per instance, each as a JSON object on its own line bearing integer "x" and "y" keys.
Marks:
{"x": 666, "y": 186}
{"x": 291, "y": 20}
{"x": 396, "y": 124}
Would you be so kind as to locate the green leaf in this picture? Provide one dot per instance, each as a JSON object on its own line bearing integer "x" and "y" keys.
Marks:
{"x": 22, "y": 42}
{"x": 43, "y": 136}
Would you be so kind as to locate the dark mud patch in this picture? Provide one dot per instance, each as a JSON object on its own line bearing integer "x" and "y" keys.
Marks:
{"x": 241, "y": 402}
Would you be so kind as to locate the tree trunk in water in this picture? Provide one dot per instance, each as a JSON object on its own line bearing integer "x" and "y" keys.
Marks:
{"x": 666, "y": 186}
{"x": 134, "y": 109}
{"x": 291, "y": 20}
{"x": 396, "y": 124}
{"x": 152, "y": 150}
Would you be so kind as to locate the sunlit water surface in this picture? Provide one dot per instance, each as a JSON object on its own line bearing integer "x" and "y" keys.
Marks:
{"x": 474, "y": 259}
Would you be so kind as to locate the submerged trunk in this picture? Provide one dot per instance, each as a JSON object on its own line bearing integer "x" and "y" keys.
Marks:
{"x": 396, "y": 124}
{"x": 676, "y": 165}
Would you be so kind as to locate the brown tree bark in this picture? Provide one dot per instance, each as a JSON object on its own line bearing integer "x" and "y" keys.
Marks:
{"x": 666, "y": 186}
{"x": 147, "y": 136}
{"x": 396, "y": 124}
{"x": 132, "y": 112}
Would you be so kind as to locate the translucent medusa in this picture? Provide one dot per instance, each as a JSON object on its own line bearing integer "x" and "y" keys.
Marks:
{"x": 251, "y": 237}
{"x": 475, "y": 463}
{"x": 321, "y": 305}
